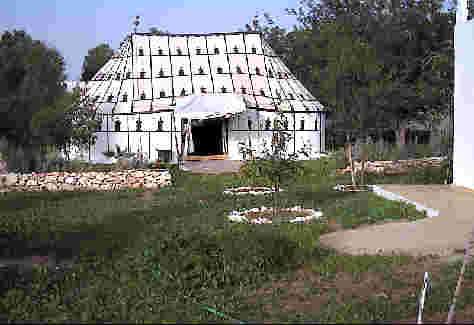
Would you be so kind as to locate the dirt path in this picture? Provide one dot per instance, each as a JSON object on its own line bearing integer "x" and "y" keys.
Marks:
{"x": 442, "y": 235}
{"x": 213, "y": 166}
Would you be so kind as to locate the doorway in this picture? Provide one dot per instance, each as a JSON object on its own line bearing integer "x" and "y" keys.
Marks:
{"x": 207, "y": 137}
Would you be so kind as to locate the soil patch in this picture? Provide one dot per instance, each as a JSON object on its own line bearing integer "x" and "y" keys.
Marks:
{"x": 308, "y": 292}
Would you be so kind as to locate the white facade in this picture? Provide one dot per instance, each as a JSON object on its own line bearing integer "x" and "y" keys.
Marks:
{"x": 142, "y": 92}
{"x": 463, "y": 98}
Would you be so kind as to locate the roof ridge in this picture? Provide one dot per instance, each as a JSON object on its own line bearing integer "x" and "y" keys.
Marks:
{"x": 195, "y": 34}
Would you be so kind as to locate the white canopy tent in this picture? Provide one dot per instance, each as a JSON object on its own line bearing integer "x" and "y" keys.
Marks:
{"x": 209, "y": 106}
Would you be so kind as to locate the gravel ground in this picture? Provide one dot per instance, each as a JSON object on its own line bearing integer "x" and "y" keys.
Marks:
{"x": 443, "y": 235}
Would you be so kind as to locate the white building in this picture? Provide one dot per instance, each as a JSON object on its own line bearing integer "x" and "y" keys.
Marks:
{"x": 463, "y": 157}
{"x": 228, "y": 85}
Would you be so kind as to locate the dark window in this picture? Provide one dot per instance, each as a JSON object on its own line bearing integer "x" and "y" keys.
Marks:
{"x": 140, "y": 52}
{"x": 249, "y": 123}
{"x": 291, "y": 96}
{"x": 160, "y": 52}
{"x": 302, "y": 96}
{"x": 183, "y": 92}
{"x": 239, "y": 70}
{"x": 129, "y": 74}
{"x": 280, "y": 75}
{"x": 270, "y": 73}
{"x": 216, "y": 50}
{"x": 142, "y": 74}
{"x": 117, "y": 126}
{"x": 143, "y": 96}
{"x": 161, "y": 73}
{"x": 302, "y": 125}
{"x": 285, "y": 124}
{"x": 286, "y": 75}
{"x": 160, "y": 124}
{"x": 243, "y": 90}
{"x": 110, "y": 98}
{"x": 203, "y": 90}
{"x": 178, "y": 50}
{"x": 257, "y": 71}
{"x": 117, "y": 77}
{"x": 181, "y": 71}
{"x": 236, "y": 49}
{"x": 268, "y": 124}
{"x": 316, "y": 124}
{"x": 124, "y": 98}
{"x": 162, "y": 94}
{"x": 254, "y": 50}
{"x": 139, "y": 125}
{"x": 224, "y": 90}
{"x": 201, "y": 70}
{"x": 219, "y": 70}
{"x": 262, "y": 92}
{"x": 96, "y": 98}
{"x": 198, "y": 51}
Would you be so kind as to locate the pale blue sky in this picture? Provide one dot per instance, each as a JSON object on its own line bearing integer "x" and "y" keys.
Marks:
{"x": 74, "y": 26}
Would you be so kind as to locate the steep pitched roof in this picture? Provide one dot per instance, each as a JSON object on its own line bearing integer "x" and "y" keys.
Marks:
{"x": 150, "y": 72}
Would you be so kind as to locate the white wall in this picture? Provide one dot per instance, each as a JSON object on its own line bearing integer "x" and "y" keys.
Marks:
{"x": 464, "y": 101}
{"x": 238, "y": 132}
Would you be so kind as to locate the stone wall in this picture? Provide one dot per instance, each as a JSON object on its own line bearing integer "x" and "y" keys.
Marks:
{"x": 85, "y": 181}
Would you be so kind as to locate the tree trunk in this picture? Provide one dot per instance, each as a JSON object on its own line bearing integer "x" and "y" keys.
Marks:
{"x": 402, "y": 137}
{"x": 351, "y": 161}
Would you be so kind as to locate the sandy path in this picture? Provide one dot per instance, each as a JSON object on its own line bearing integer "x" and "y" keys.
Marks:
{"x": 213, "y": 166}
{"x": 440, "y": 235}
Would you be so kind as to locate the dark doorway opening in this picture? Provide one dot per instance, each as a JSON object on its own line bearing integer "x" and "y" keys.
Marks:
{"x": 207, "y": 137}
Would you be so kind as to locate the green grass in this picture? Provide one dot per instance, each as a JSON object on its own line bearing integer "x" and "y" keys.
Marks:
{"x": 167, "y": 257}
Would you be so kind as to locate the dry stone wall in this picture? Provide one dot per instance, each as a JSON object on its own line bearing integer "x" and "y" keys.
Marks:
{"x": 85, "y": 181}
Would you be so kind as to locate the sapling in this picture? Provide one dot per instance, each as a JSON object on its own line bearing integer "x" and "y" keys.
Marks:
{"x": 275, "y": 164}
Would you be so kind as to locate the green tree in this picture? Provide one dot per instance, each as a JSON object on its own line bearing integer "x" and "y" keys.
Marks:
{"x": 31, "y": 77}
{"x": 69, "y": 122}
{"x": 94, "y": 60}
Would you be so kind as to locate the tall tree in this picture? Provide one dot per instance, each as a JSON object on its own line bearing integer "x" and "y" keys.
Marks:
{"x": 94, "y": 60}
{"x": 31, "y": 77}
{"x": 412, "y": 41}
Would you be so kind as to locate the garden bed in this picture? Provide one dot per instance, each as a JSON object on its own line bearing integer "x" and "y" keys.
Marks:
{"x": 250, "y": 190}
{"x": 265, "y": 215}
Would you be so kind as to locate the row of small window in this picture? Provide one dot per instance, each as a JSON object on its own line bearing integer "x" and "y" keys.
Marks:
{"x": 181, "y": 72}
{"x": 268, "y": 124}
{"x": 138, "y": 123}
{"x": 179, "y": 51}
{"x": 243, "y": 90}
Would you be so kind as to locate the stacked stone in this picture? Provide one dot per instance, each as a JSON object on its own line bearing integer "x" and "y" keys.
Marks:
{"x": 85, "y": 181}
{"x": 389, "y": 167}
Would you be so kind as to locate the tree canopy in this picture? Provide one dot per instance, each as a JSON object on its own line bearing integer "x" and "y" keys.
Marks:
{"x": 94, "y": 60}
{"x": 374, "y": 64}
{"x": 31, "y": 77}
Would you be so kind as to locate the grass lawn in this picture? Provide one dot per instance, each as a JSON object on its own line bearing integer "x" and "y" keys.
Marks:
{"x": 172, "y": 256}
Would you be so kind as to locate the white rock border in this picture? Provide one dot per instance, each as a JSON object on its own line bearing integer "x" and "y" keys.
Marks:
{"x": 235, "y": 190}
{"x": 379, "y": 191}
{"x": 236, "y": 216}
{"x": 341, "y": 187}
